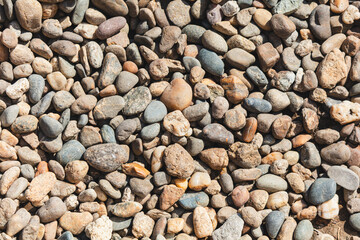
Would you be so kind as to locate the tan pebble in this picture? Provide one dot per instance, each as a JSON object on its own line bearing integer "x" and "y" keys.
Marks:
{"x": 202, "y": 223}
{"x": 199, "y": 181}
{"x": 262, "y": 18}
{"x": 175, "y": 225}
{"x": 277, "y": 200}
{"x": 75, "y": 222}
{"x": 307, "y": 213}
{"x": 176, "y": 123}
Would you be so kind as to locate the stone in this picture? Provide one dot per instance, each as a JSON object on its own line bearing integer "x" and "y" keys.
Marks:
{"x": 218, "y": 134}
{"x": 211, "y": 62}
{"x": 136, "y": 100}
{"x": 110, "y": 70}
{"x": 40, "y": 186}
{"x": 344, "y": 177}
{"x": 71, "y": 150}
{"x": 310, "y": 156}
{"x": 271, "y": 183}
{"x": 304, "y": 230}
{"x": 177, "y": 96}
{"x": 214, "y": 42}
{"x": 239, "y": 196}
{"x": 273, "y": 223}
{"x": 75, "y": 222}
{"x": 336, "y": 153}
{"x": 262, "y": 18}
{"x": 170, "y": 195}
{"x": 83, "y": 104}
{"x": 29, "y": 14}
{"x": 244, "y": 155}
{"x": 282, "y": 26}
{"x": 231, "y": 229}
{"x": 345, "y": 112}
{"x": 332, "y": 69}
{"x": 176, "y": 123}
{"x": 216, "y": 158}
{"x": 239, "y": 58}
{"x": 97, "y": 156}
{"x": 190, "y": 201}
{"x": 174, "y": 167}
{"x": 322, "y": 190}
{"x": 126, "y": 209}
{"x": 18, "y": 222}
{"x": 179, "y": 13}
{"x": 53, "y": 209}
{"x": 329, "y": 209}
{"x": 354, "y": 221}
{"x": 320, "y": 22}
{"x": 202, "y": 223}
{"x": 110, "y": 27}
{"x": 108, "y": 107}
{"x": 142, "y": 225}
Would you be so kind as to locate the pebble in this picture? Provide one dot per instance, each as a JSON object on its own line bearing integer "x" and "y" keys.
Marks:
{"x": 178, "y": 89}
{"x": 344, "y": 177}
{"x": 354, "y": 221}
{"x": 304, "y": 230}
{"x": 75, "y": 222}
{"x": 329, "y": 209}
{"x": 232, "y": 228}
{"x": 202, "y": 223}
{"x": 192, "y": 200}
{"x": 271, "y": 183}
{"x": 174, "y": 167}
{"x": 322, "y": 190}
{"x": 40, "y": 186}
{"x": 53, "y": 209}
{"x": 211, "y": 62}
{"x": 96, "y": 156}
{"x": 273, "y": 223}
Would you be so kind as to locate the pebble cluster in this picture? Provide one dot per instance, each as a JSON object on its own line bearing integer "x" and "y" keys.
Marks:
{"x": 182, "y": 119}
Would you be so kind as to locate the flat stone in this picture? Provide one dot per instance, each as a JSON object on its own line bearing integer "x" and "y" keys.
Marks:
{"x": 344, "y": 177}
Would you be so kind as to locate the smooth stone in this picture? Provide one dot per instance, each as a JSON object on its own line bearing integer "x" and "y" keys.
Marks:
{"x": 239, "y": 58}
{"x": 125, "y": 81}
{"x": 310, "y": 156}
{"x": 9, "y": 115}
{"x": 319, "y": 22}
{"x": 304, "y": 230}
{"x": 271, "y": 183}
{"x": 344, "y": 177}
{"x": 257, "y": 105}
{"x": 79, "y": 11}
{"x": 43, "y": 105}
{"x": 193, "y": 33}
{"x": 155, "y": 112}
{"x": 257, "y": 76}
{"x": 214, "y": 42}
{"x": 108, "y": 134}
{"x": 273, "y": 223}
{"x": 190, "y": 201}
{"x": 190, "y": 62}
{"x": 71, "y": 151}
{"x": 150, "y": 132}
{"x": 50, "y": 126}
{"x": 36, "y": 87}
{"x": 354, "y": 221}
{"x": 322, "y": 190}
{"x": 112, "y": 8}
{"x": 211, "y": 62}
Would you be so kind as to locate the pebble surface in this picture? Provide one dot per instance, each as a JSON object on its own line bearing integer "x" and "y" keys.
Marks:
{"x": 179, "y": 119}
